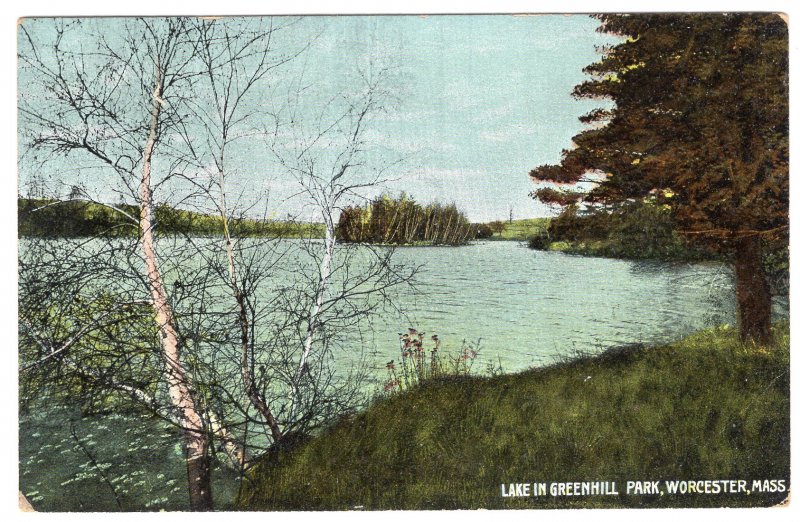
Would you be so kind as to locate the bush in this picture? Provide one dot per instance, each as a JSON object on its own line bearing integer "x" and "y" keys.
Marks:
{"x": 498, "y": 227}
{"x": 482, "y": 231}
{"x": 540, "y": 241}
{"x": 636, "y": 230}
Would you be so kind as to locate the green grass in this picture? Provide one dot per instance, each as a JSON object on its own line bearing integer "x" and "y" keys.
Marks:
{"x": 707, "y": 407}
{"x": 521, "y": 229}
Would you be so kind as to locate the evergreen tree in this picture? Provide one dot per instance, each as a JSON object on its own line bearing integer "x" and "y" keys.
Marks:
{"x": 699, "y": 123}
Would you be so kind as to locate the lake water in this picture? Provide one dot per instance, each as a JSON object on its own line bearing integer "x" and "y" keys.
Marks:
{"x": 526, "y": 307}
{"x": 529, "y": 307}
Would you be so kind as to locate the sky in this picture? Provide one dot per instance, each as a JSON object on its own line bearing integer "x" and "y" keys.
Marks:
{"x": 477, "y": 102}
{"x": 488, "y": 100}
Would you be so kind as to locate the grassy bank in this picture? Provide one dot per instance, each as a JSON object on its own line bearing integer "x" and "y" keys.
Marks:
{"x": 521, "y": 229}
{"x": 707, "y": 407}
{"x": 672, "y": 251}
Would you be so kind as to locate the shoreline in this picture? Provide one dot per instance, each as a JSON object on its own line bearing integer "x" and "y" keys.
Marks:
{"x": 661, "y": 412}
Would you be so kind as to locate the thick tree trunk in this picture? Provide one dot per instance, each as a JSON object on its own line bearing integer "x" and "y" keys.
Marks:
{"x": 195, "y": 438}
{"x": 754, "y": 302}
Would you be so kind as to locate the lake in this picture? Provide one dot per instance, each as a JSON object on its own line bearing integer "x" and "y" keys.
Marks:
{"x": 530, "y": 307}
{"x": 523, "y": 308}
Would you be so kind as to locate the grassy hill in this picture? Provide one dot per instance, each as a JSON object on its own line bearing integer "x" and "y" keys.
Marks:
{"x": 707, "y": 407}
{"x": 521, "y": 229}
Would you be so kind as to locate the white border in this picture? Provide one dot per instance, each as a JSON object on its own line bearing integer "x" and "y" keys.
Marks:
{"x": 8, "y": 191}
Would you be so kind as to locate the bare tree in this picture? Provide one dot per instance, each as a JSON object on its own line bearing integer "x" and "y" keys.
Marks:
{"x": 236, "y": 63}
{"x": 232, "y": 339}
{"x": 113, "y": 105}
{"x": 237, "y": 60}
{"x": 334, "y": 165}
{"x": 274, "y": 333}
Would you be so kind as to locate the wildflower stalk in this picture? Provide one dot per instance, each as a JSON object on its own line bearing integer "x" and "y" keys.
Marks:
{"x": 415, "y": 367}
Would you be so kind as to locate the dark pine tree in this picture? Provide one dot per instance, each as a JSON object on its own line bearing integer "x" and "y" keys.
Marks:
{"x": 699, "y": 123}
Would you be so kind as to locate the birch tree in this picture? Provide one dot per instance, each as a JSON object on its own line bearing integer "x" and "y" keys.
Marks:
{"x": 112, "y": 106}
{"x": 245, "y": 339}
{"x": 329, "y": 153}
{"x": 274, "y": 335}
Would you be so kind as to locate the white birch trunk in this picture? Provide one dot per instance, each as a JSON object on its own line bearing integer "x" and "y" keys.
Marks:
{"x": 314, "y": 318}
{"x": 195, "y": 439}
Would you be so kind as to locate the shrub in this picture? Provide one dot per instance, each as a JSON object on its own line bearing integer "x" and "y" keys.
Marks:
{"x": 540, "y": 241}
{"x": 637, "y": 230}
{"x": 482, "y": 231}
{"x": 415, "y": 367}
{"x": 498, "y": 227}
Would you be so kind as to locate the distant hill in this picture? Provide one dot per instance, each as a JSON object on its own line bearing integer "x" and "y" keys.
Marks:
{"x": 54, "y": 218}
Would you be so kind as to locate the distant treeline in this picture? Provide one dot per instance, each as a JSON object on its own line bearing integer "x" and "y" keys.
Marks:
{"x": 52, "y": 218}
{"x": 404, "y": 221}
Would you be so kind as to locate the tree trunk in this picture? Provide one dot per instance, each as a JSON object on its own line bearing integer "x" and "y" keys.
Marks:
{"x": 255, "y": 396}
{"x": 754, "y": 302}
{"x": 314, "y": 318}
{"x": 195, "y": 438}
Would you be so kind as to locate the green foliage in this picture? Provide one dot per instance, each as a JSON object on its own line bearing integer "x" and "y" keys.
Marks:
{"x": 643, "y": 230}
{"x": 48, "y": 218}
{"x": 103, "y": 341}
{"x": 497, "y": 227}
{"x": 402, "y": 221}
{"x": 482, "y": 231}
{"x": 634, "y": 230}
{"x": 776, "y": 266}
{"x": 700, "y": 122}
{"x": 51, "y": 218}
{"x": 708, "y": 406}
{"x": 540, "y": 241}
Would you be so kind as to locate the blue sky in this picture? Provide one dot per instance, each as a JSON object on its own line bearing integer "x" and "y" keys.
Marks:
{"x": 480, "y": 100}
{"x": 483, "y": 100}
{"x": 489, "y": 99}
